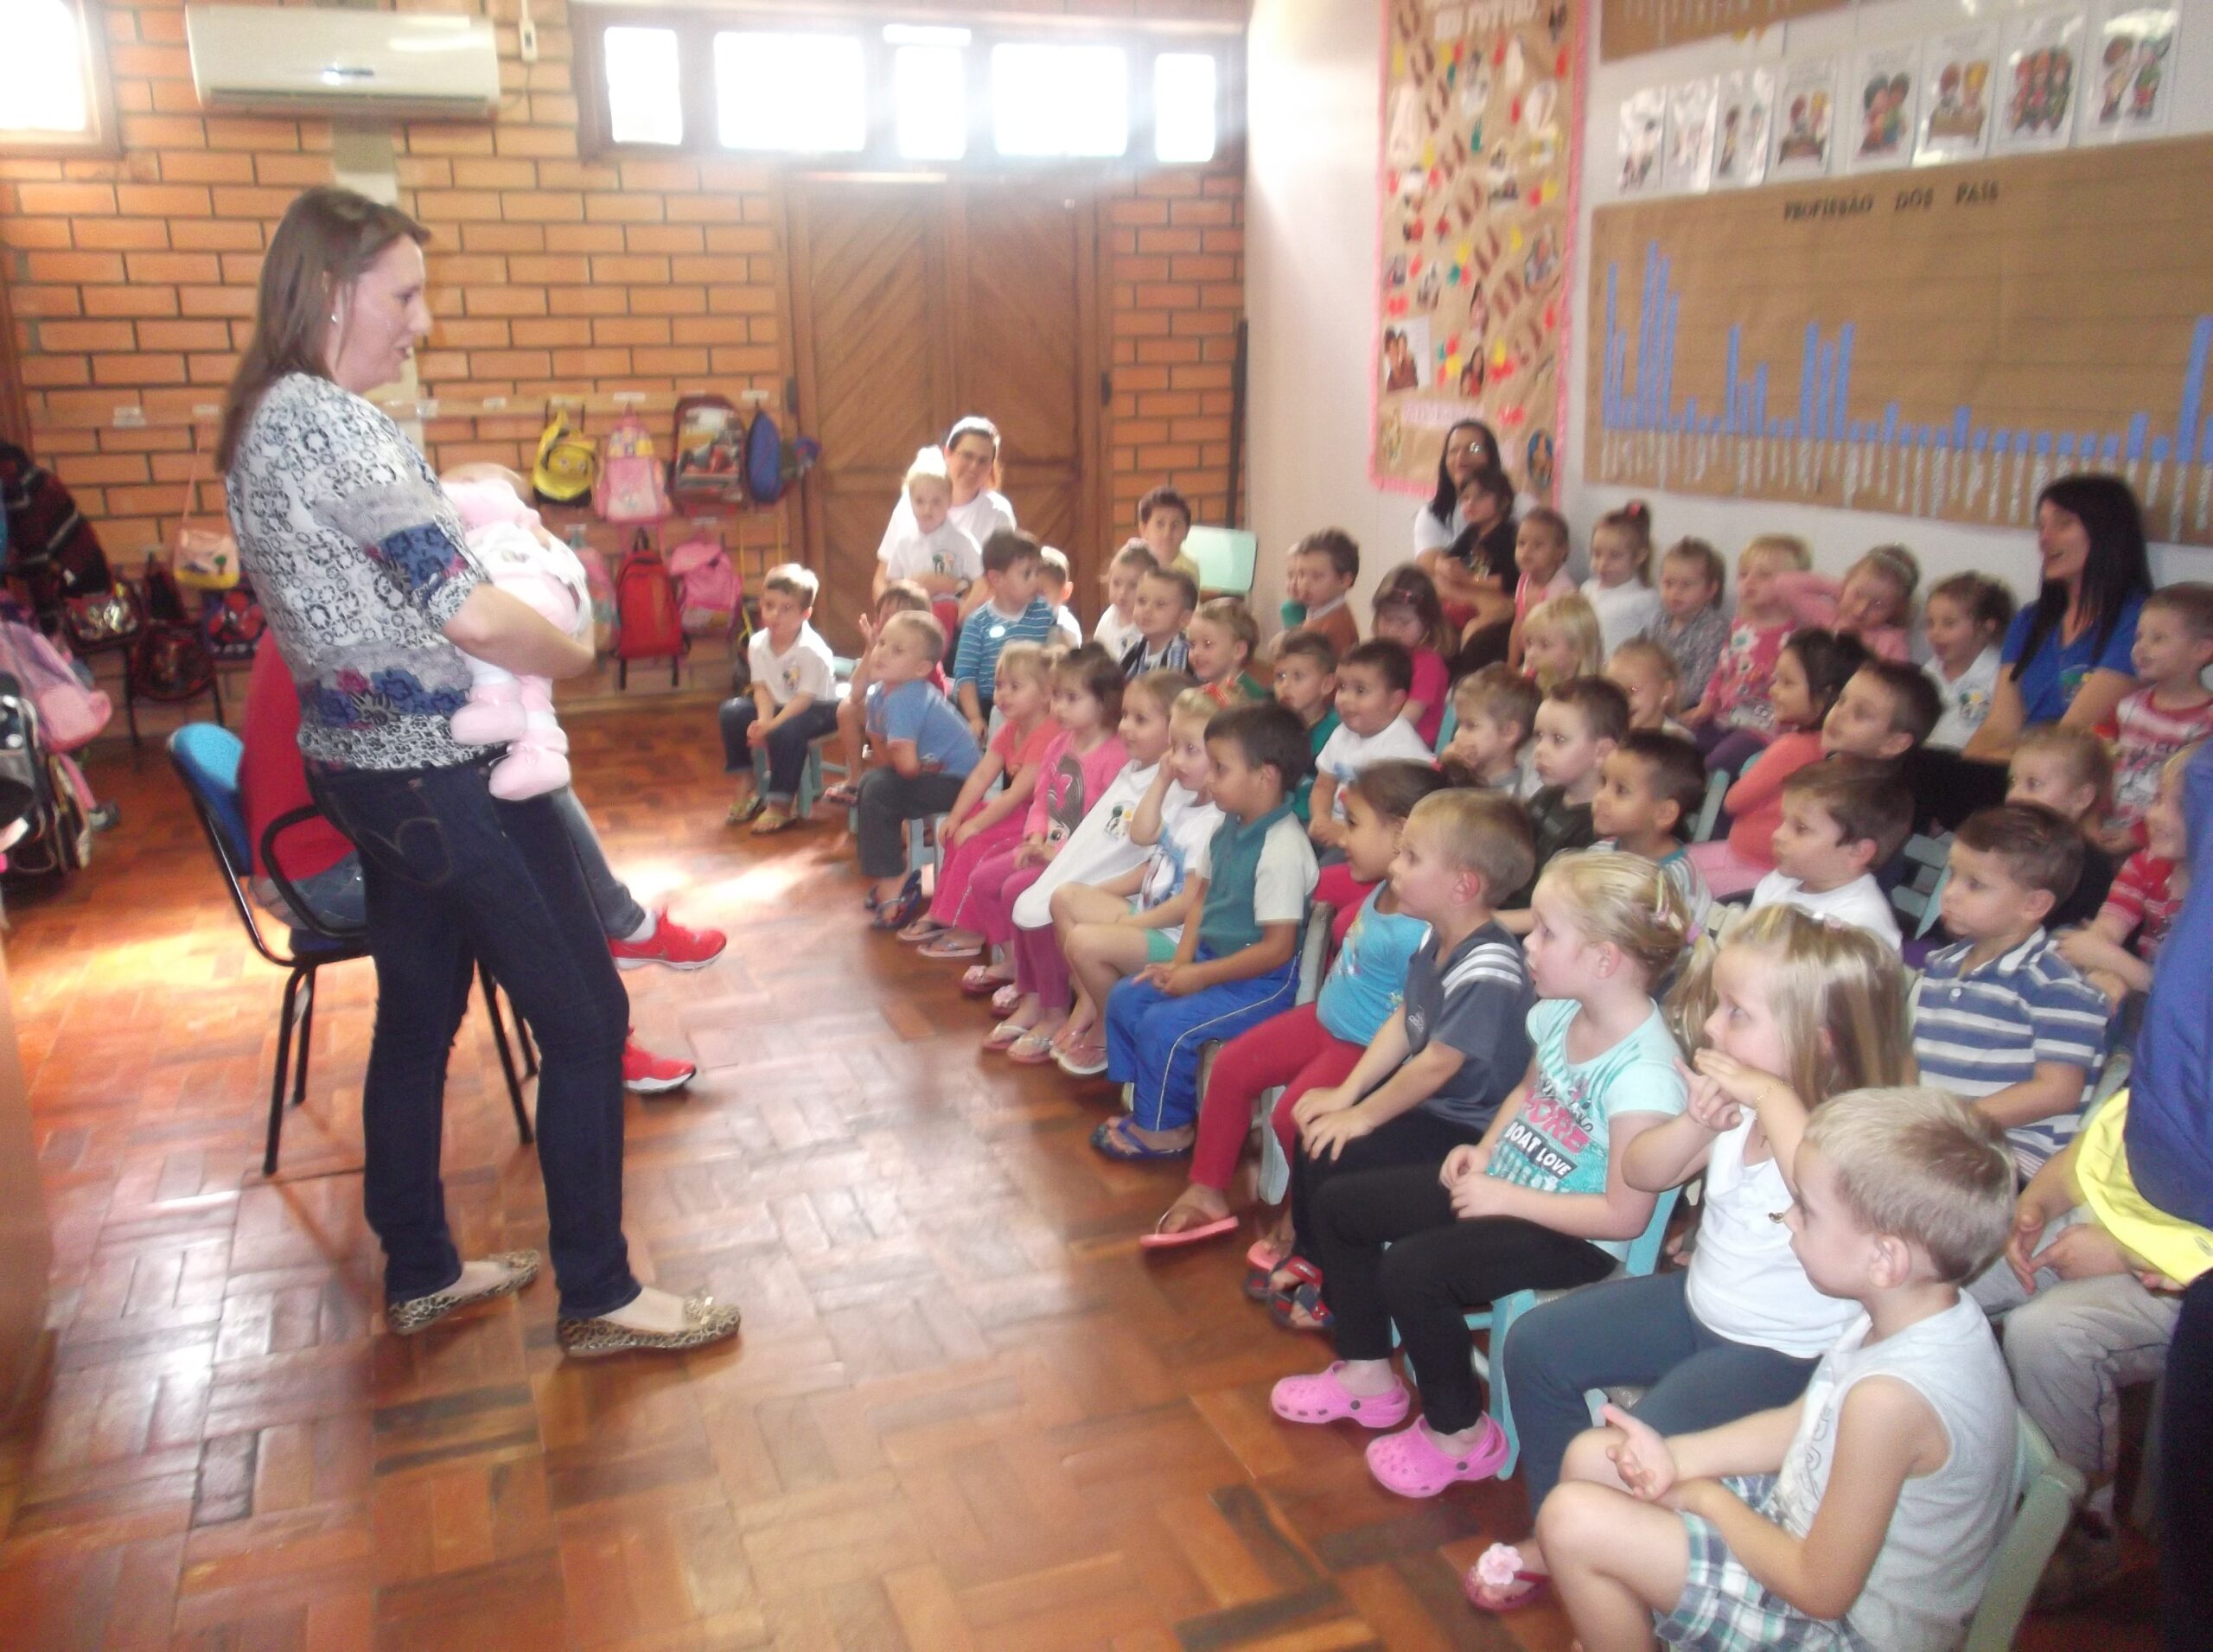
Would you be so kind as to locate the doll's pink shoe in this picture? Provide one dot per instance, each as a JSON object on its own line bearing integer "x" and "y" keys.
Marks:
{"x": 1322, "y": 1398}
{"x": 1412, "y": 1463}
{"x": 531, "y": 768}
{"x": 494, "y": 714}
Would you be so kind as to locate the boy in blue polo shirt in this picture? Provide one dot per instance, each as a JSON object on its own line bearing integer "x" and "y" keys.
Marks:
{"x": 2000, "y": 1017}
{"x": 1238, "y": 964}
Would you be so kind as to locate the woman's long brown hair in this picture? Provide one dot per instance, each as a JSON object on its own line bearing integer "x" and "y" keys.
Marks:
{"x": 326, "y": 240}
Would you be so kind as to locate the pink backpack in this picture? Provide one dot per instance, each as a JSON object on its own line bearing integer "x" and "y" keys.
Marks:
{"x": 708, "y": 588}
{"x": 631, "y": 489}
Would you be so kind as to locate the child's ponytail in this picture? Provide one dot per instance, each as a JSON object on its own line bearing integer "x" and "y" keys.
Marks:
{"x": 1624, "y": 901}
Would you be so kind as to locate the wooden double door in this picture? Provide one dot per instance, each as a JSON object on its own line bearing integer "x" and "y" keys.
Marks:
{"x": 917, "y": 303}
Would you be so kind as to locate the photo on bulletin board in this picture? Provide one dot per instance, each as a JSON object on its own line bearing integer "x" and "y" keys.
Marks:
{"x": 2042, "y": 70}
{"x": 1406, "y": 354}
{"x": 1957, "y": 70}
{"x": 1884, "y": 104}
{"x": 1689, "y": 166}
{"x": 1805, "y": 121}
{"x": 2132, "y": 59}
{"x": 1644, "y": 126}
{"x": 1743, "y": 104}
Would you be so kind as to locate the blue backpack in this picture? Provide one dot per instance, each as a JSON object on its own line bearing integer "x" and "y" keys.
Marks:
{"x": 764, "y": 459}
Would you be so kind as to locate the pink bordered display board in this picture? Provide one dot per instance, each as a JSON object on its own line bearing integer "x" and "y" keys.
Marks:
{"x": 1481, "y": 124}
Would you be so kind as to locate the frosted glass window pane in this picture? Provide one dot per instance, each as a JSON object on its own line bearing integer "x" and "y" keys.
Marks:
{"x": 929, "y": 92}
{"x": 41, "y": 73}
{"x": 804, "y": 93}
{"x": 1061, "y": 100}
{"x": 645, "y": 98}
{"x": 1182, "y": 107}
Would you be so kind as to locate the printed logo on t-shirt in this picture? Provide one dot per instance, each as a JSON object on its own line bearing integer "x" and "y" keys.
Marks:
{"x": 789, "y": 677}
{"x": 1064, "y": 799}
{"x": 1553, "y": 1132}
{"x": 1118, "y": 823}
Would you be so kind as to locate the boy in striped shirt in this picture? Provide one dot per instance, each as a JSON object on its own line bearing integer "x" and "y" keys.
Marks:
{"x": 1015, "y": 574}
{"x": 2000, "y": 1017}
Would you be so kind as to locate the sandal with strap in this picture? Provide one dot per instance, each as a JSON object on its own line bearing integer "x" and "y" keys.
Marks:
{"x": 1033, "y": 1048}
{"x": 842, "y": 796}
{"x": 1324, "y": 1397}
{"x": 1005, "y": 1036}
{"x": 1006, "y": 1000}
{"x": 943, "y": 946}
{"x": 1114, "y": 1142}
{"x": 979, "y": 980}
{"x": 1301, "y": 1308}
{"x": 1260, "y": 1264}
{"x": 1412, "y": 1463}
{"x": 1498, "y": 1583}
{"x": 899, "y": 911}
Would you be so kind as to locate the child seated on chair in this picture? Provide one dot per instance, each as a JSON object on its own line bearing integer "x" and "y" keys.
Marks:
{"x": 1547, "y": 1198}
{"x": 1645, "y": 671}
{"x": 1495, "y": 713}
{"x": 928, "y": 751}
{"x": 1790, "y": 1012}
{"x": 1650, "y": 788}
{"x": 2070, "y": 771}
{"x": 1166, "y": 600}
{"x": 1318, "y": 578}
{"x": 1841, "y": 818}
{"x": 1691, "y": 625}
{"x": 2117, "y": 950}
{"x": 1373, "y": 682}
{"x": 2000, "y": 1016}
{"x": 1109, "y": 931}
{"x": 792, "y": 702}
{"x": 1433, "y": 1078}
{"x": 1318, "y": 1043}
{"x": 1163, "y": 523}
{"x": 1056, "y": 584}
{"x": 1866, "y": 1513}
{"x": 927, "y": 547}
{"x": 1579, "y": 723}
{"x": 1407, "y": 612}
{"x": 1016, "y": 611}
{"x": 1238, "y": 964}
{"x": 1306, "y": 681}
{"x": 900, "y": 597}
{"x": 2174, "y": 646}
{"x": 1219, "y": 641}
{"x": 1118, "y": 624}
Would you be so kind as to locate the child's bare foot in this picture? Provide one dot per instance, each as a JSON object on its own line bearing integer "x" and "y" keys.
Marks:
{"x": 1195, "y": 1207}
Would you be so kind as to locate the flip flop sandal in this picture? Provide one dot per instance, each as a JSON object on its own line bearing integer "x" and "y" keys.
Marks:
{"x": 922, "y": 929}
{"x": 1302, "y": 1309}
{"x": 1081, "y": 1060}
{"x": 977, "y": 981}
{"x": 1113, "y": 1143}
{"x": 1260, "y": 1264}
{"x": 741, "y": 813}
{"x": 1324, "y": 1397}
{"x": 1004, "y": 1035}
{"x": 1006, "y": 1000}
{"x": 1412, "y": 1463}
{"x": 1520, "y": 1588}
{"x": 1031, "y": 1049}
{"x": 942, "y": 945}
{"x": 900, "y": 910}
{"x": 771, "y": 821}
{"x": 841, "y": 797}
{"x": 1158, "y": 1240}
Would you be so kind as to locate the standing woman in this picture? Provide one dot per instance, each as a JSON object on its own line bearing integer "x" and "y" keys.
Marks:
{"x": 2067, "y": 654}
{"x": 372, "y": 596}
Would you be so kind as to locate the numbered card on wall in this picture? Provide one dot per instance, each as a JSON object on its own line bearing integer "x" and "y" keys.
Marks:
{"x": 2041, "y": 78}
{"x": 1689, "y": 167}
{"x": 1883, "y": 107}
{"x": 1958, "y": 71}
{"x": 1644, "y": 127}
{"x": 1743, "y": 106}
{"x": 1805, "y": 121}
{"x": 2132, "y": 68}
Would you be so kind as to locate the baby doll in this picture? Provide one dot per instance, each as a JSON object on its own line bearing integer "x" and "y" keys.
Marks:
{"x": 521, "y": 558}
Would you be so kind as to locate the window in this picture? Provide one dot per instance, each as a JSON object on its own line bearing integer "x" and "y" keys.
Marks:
{"x": 1059, "y": 100}
{"x": 53, "y": 87}
{"x": 803, "y": 94}
{"x": 929, "y": 94}
{"x": 1182, "y": 107}
{"x": 645, "y": 94}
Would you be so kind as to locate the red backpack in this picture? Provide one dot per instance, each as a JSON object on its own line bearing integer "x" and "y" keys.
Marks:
{"x": 647, "y": 625}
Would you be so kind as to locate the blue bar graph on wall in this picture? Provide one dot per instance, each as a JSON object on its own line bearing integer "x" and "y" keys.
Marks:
{"x": 1640, "y": 398}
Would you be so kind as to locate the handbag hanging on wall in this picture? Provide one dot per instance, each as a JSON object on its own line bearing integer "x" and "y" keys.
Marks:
{"x": 202, "y": 559}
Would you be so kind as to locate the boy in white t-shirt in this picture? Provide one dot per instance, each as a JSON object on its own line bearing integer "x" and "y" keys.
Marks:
{"x": 1118, "y": 627}
{"x": 792, "y": 701}
{"x": 927, "y": 545}
{"x": 1867, "y": 1513}
{"x": 1373, "y": 683}
{"x": 1842, "y": 817}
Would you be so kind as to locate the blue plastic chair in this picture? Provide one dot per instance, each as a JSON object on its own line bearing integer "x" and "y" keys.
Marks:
{"x": 810, "y": 780}
{"x": 1447, "y": 728}
{"x": 205, "y": 756}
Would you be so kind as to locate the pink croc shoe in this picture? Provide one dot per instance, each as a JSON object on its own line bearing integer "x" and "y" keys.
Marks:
{"x": 1412, "y": 1463}
{"x": 1322, "y": 1398}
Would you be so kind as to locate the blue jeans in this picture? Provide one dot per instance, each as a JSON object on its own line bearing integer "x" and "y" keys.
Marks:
{"x": 1629, "y": 1332}
{"x": 1153, "y": 1040}
{"x": 787, "y": 742}
{"x": 452, "y": 876}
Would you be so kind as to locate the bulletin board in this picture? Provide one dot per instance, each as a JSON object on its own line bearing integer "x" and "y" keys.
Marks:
{"x": 1482, "y": 122}
{"x": 1627, "y": 27}
{"x": 1936, "y": 342}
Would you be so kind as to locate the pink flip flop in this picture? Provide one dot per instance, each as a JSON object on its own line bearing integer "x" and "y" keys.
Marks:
{"x": 1412, "y": 1463}
{"x": 1322, "y": 1398}
{"x": 1006, "y": 1000}
{"x": 1004, "y": 1035}
{"x": 1498, "y": 1583}
{"x": 1157, "y": 1240}
{"x": 978, "y": 980}
{"x": 1033, "y": 1048}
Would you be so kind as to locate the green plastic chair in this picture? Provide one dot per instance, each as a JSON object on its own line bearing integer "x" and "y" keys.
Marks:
{"x": 2047, "y": 1492}
{"x": 1227, "y": 556}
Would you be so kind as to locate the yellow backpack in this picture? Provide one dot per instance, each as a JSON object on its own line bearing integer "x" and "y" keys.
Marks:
{"x": 568, "y": 462}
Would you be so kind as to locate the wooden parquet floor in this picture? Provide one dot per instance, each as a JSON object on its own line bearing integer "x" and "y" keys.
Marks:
{"x": 964, "y": 1410}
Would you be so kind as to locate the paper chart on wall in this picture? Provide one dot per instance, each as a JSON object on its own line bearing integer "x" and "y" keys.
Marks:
{"x": 1882, "y": 106}
{"x": 1689, "y": 165}
{"x": 2042, "y": 68}
{"x": 1744, "y": 107}
{"x": 2132, "y": 63}
{"x": 1805, "y": 121}
{"x": 1477, "y": 149}
{"x": 1957, "y": 71}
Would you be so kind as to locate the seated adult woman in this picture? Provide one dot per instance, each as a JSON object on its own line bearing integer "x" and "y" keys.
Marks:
{"x": 2067, "y": 654}
{"x": 979, "y": 510}
{"x": 1469, "y": 447}
{"x": 371, "y": 594}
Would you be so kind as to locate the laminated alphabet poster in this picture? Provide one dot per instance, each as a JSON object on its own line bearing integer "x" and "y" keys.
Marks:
{"x": 1481, "y": 118}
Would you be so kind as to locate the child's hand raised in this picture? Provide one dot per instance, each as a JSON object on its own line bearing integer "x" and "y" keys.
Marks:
{"x": 1736, "y": 1082}
{"x": 1708, "y": 1107}
{"x": 1640, "y": 1456}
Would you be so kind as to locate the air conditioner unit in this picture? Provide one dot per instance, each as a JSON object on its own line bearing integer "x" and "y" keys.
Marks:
{"x": 316, "y": 60}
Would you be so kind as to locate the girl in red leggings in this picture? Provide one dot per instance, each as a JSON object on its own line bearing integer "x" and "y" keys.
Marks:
{"x": 1316, "y": 1045}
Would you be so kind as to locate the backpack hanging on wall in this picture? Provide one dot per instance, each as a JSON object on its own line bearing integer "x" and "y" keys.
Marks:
{"x": 708, "y": 588}
{"x": 567, "y": 463}
{"x": 764, "y": 459}
{"x": 708, "y": 464}
{"x": 233, "y": 623}
{"x": 646, "y": 622}
{"x": 631, "y": 489}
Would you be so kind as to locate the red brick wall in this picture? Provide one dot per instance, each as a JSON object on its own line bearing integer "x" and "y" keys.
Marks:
{"x": 132, "y": 280}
